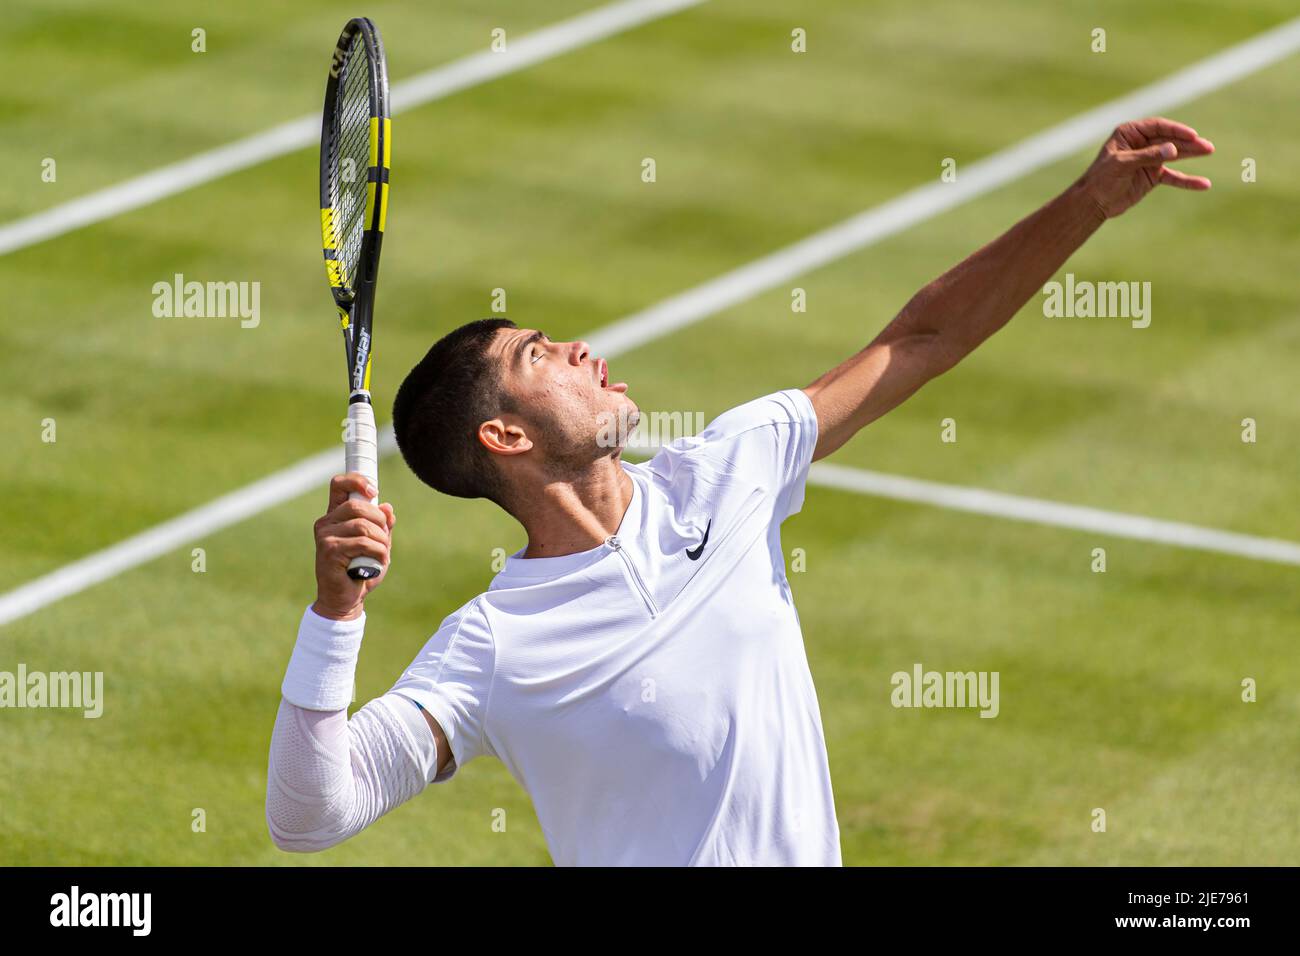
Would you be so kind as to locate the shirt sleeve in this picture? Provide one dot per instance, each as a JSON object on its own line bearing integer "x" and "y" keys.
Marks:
{"x": 768, "y": 441}
{"x": 451, "y": 678}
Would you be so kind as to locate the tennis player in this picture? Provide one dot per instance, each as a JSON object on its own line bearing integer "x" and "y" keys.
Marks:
{"x": 638, "y": 666}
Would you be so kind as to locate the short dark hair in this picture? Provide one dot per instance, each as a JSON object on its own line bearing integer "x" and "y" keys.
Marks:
{"x": 439, "y": 406}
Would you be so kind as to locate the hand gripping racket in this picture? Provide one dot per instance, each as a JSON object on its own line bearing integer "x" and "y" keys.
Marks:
{"x": 354, "y": 156}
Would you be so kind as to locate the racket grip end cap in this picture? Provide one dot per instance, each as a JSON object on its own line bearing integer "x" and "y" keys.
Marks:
{"x": 366, "y": 571}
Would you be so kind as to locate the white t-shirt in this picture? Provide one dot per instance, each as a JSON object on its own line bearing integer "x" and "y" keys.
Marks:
{"x": 652, "y": 695}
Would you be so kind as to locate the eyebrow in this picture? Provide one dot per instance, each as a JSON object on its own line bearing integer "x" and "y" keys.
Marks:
{"x": 522, "y": 347}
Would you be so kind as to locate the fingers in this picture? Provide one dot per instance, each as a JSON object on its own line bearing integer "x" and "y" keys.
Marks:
{"x": 354, "y": 528}
{"x": 357, "y": 528}
{"x": 341, "y": 550}
{"x": 1158, "y": 129}
{"x": 1200, "y": 146}
{"x": 352, "y": 522}
{"x": 1149, "y": 155}
{"x": 343, "y": 485}
{"x": 1156, "y": 155}
{"x": 350, "y": 528}
{"x": 1164, "y": 126}
{"x": 1172, "y": 177}
{"x": 357, "y": 509}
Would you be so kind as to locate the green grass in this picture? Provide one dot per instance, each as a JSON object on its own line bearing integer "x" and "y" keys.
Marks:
{"x": 1119, "y": 691}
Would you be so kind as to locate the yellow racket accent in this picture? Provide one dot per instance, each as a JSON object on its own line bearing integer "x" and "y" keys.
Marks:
{"x": 383, "y": 203}
{"x": 381, "y": 162}
{"x": 334, "y": 271}
{"x": 374, "y": 142}
{"x": 327, "y": 229}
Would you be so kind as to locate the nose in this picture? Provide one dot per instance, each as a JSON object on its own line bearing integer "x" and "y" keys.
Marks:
{"x": 578, "y": 352}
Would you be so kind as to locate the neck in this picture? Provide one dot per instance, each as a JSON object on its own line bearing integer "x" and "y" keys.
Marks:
{"x": 577, "y": 513}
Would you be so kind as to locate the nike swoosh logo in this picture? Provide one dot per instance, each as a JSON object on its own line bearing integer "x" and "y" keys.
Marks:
{"x": 694, "y": 553}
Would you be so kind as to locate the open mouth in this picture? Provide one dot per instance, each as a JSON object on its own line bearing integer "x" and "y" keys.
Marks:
{"x": 602, "y": 372}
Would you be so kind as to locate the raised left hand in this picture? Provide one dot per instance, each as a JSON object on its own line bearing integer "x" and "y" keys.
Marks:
{"x": 1132, "y": 163}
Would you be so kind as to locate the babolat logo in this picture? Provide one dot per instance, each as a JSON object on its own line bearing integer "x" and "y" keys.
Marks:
{"x": 102, "y": 909}
{"x": 363, "y": 353}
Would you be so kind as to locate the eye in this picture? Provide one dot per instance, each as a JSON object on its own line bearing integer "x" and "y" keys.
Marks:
{"x": 536, "y": 356}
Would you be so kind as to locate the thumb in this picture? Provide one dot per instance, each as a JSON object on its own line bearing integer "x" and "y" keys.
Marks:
{"x": 1150, "y": 155}
{"x": 343, "y": 485}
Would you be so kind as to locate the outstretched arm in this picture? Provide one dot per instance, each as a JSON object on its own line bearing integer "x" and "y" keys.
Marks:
{"x": 952, "y": 315}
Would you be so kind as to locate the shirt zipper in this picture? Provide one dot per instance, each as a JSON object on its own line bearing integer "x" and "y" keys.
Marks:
{"x": 614, "y": 543}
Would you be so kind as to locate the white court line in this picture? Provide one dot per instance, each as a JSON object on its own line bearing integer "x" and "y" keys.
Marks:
{"x": 697, "y": 303}
{"x": 976, "y": 179}
{"x": 1054, "y": 513}
{"x": 312, "y": 474}
{"x": 472, "y": 70}
{"x": 222, "y": 512}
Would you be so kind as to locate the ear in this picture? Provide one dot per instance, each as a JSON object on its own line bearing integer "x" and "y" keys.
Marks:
{"x": 502, "y": 439}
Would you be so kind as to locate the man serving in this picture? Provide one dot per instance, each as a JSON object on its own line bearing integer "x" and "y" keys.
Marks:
{"x": 638, "y": 666}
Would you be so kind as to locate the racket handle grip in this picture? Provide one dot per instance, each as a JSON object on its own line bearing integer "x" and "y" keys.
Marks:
{"x": 362, "y": 456}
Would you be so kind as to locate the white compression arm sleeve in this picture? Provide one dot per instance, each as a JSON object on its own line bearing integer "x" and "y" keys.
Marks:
{"x": 329, "y": 777}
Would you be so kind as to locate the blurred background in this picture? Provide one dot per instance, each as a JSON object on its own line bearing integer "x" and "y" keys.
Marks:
{"x": 1120, "y": 690}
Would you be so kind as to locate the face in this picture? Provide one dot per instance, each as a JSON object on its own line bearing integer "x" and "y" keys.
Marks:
{"x": 569, "y": 407}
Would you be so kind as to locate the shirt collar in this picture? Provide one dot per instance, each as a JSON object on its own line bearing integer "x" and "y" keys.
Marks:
{"x": 629, "y": 529}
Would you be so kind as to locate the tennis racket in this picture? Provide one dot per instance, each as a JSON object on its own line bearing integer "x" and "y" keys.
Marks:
{"x": 354, "y": 155}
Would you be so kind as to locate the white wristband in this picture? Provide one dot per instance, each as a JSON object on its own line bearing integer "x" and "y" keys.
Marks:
{"x": 323, "y": 667}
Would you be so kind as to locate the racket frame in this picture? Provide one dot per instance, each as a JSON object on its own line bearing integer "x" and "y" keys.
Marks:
{"x": 354, "y": 296}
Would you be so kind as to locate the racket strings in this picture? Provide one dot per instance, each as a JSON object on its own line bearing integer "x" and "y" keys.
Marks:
{"x": 350, "y": 165}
